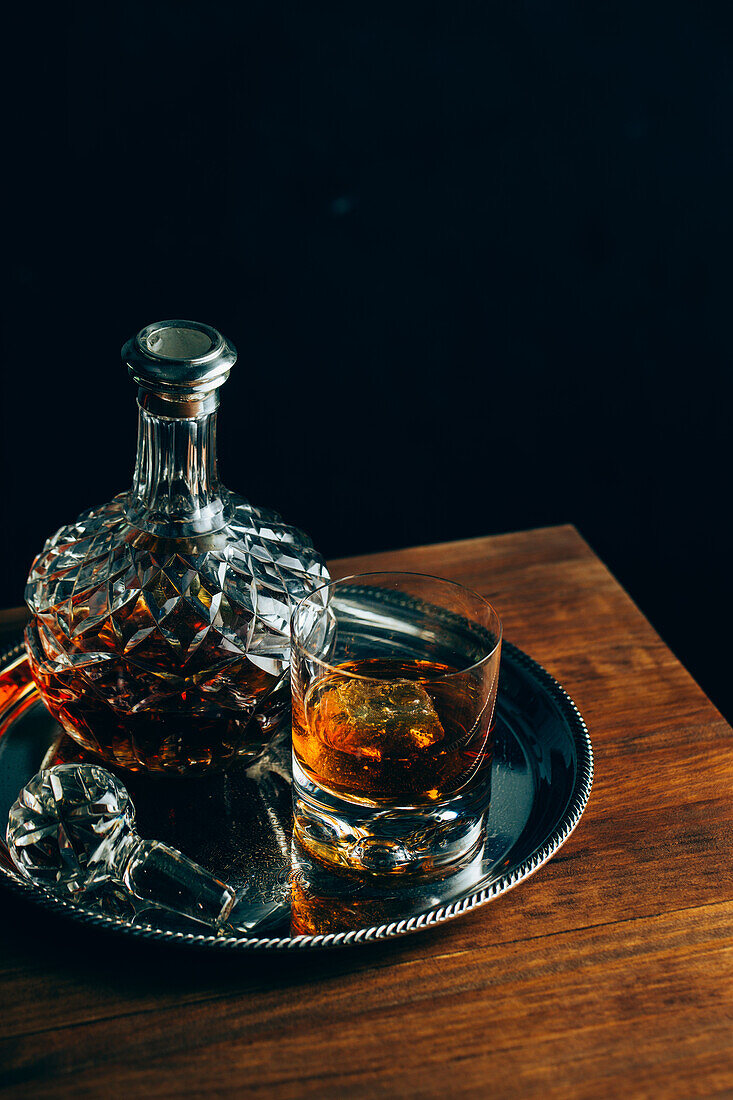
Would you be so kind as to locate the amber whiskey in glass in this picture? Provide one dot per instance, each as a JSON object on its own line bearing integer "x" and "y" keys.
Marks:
{"x": 393, "y": 731}
{"x": 394, "y": 679}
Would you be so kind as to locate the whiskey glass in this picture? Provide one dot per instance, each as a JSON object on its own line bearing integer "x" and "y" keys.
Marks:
{"x": 394, "y": 679}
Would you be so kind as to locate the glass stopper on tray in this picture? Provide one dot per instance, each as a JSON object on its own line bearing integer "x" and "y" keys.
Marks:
{"x": 72, "y": 829}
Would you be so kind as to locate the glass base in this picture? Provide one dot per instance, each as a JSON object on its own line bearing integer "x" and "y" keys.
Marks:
{"x": 428, "y": 839}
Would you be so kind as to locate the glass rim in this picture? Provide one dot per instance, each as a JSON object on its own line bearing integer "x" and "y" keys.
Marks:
{"x": 396, "y": 573}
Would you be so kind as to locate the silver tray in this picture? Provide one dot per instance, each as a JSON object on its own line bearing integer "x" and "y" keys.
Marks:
{"x": 239, "y": 825}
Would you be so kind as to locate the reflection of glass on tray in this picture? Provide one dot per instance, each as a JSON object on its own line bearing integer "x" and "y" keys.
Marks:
{"x": 238, "y": 825}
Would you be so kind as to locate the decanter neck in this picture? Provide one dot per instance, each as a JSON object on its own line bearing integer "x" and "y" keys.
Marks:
{"x": 175, "y": 491}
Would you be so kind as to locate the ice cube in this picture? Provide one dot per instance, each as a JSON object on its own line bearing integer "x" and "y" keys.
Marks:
{"x": 377, "y": 720}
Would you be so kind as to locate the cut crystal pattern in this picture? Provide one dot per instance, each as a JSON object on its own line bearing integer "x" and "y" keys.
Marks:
{"x": 159, "y": 653}
{"x": 71, "y": 830}
{"x": 160, "y": 636}
{"x": 64, "y": 829}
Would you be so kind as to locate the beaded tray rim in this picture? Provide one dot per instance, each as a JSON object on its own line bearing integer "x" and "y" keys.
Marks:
{"x": 577, "y": 802}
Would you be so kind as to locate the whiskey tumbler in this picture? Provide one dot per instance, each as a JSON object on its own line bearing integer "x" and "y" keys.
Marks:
{"x": 394, "y": 680}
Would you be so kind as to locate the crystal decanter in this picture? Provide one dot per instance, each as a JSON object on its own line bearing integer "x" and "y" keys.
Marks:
{"x": 160, "y": 630}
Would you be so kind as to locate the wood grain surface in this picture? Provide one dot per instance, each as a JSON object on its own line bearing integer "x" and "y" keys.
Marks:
{"x": 609, "y": 973}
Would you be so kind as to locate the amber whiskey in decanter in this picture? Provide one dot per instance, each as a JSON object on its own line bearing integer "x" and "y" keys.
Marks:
{"x": 159, "y": 636}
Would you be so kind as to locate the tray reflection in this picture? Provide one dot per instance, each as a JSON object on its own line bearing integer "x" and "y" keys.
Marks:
{"x": 239, "y": 825}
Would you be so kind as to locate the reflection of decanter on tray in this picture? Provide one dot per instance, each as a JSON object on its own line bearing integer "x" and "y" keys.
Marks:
{"x": 160, "y": 630}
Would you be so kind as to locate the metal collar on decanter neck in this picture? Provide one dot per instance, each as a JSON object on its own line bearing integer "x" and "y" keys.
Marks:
{"x": 179, "y": 366}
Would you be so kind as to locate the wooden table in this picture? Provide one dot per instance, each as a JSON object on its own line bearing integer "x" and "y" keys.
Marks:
{"x": 608, "y": 974}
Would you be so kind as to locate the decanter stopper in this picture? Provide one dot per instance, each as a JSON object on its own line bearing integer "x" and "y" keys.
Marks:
{"x": 72, "y": 828}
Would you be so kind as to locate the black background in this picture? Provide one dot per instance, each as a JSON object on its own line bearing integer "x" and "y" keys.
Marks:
{"x": 476, "y": 260}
